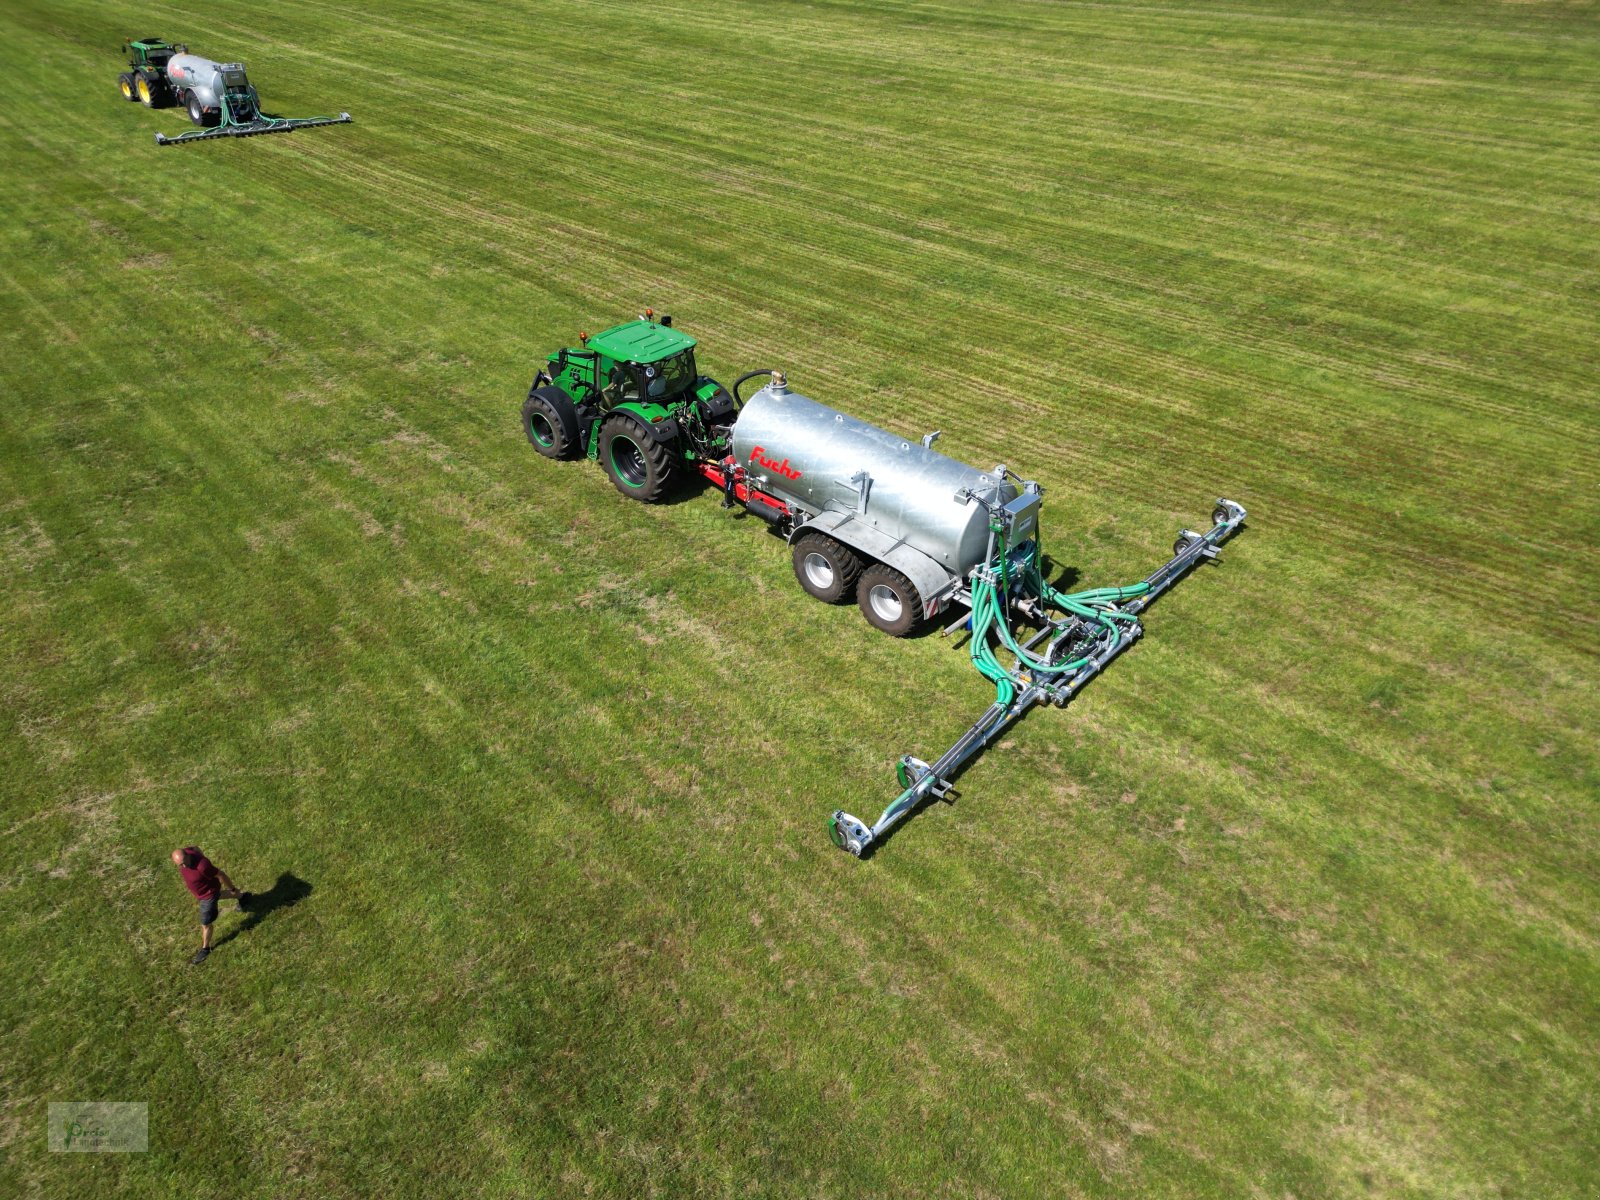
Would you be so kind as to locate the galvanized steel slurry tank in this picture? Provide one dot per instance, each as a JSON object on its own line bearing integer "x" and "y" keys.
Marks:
{"x": 820, "y": 461}
{"x": 207, "y": 80}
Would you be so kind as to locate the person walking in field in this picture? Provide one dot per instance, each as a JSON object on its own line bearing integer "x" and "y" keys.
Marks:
{"x": 209, "y": 884}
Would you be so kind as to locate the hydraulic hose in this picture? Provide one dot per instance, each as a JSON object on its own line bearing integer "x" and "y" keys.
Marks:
{"x": 745, "y": 378}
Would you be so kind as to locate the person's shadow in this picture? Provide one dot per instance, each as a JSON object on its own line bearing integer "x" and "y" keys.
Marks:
{"x": 258, "y": 906}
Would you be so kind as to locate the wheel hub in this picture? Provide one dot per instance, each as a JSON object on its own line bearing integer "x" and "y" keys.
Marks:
{"x": 819, "y": 571}
{"x": 885, "y": 602}
{"x": 628, "y": 460}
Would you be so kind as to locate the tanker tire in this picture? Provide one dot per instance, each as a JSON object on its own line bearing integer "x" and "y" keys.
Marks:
{"x": 826, "y": 569}
{"x": 550, "y": 422}
{"x": 125, "y": 82}
{"x": 639, "y": 466}
{"x": 888, "y": 600}
{"x": 197, "y": 113}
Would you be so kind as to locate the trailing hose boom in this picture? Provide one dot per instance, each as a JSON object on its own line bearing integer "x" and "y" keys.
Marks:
{"x": 1080, "y": 633}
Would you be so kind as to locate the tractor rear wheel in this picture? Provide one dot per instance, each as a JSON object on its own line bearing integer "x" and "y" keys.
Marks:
{"x": 125, "y": 83}
{"x": 640, "y": 466}
{"x": 148, "y": 96}
{"x": 826, "y": 569}
{"x": 550, "y": 422}
{"x": 888, "y": 600}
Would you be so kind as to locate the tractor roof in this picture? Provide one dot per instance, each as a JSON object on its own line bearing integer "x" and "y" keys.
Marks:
{"x": 640, "y": 341}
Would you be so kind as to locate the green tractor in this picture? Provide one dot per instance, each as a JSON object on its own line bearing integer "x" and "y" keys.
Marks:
{"x": 632, "y": 399}
{"x": 146, "y": 78}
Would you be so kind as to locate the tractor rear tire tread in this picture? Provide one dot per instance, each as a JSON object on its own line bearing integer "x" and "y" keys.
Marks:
{"x": 653, "y": 464}
{"x": 844, "y": 567}
{"x": 153, "y": 95}
{"x": 909, "y": 602}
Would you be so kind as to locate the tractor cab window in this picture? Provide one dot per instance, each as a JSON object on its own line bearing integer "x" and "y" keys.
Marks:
{"x": 622, "y": 383}
{"x": 669, "y": 376}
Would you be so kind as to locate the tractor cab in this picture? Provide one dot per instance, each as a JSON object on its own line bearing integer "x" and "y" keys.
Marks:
{"x": 639, "y": 362}
{"x": 150, "y": 52}
{"x": 643, "y": 361}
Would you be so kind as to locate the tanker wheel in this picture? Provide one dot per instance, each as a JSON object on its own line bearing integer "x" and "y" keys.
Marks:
{"x": 888, "y": 600}
{"x": 197, "y": 112}
{"x": 125, "y": 82}
{"x": 550, "y": 422}
{"x": 640, "y": 466}
{"x": 827, "y": 569}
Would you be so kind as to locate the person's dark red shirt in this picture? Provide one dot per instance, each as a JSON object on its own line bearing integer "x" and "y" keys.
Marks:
{"x": 202, "y": 877}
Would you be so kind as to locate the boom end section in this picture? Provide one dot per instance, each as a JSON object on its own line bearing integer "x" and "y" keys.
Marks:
{"x": 849, "y": 833}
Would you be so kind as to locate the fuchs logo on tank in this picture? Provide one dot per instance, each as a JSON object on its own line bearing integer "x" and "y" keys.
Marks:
{"x": 758, "y": 456}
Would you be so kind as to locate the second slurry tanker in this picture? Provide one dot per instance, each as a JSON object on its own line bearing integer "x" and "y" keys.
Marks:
{"x": 904, "y": 531}
{"x": 217, "y": 96}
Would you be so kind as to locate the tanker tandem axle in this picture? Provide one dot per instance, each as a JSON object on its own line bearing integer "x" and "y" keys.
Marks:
{"x": 902, "y": 529}
{"x": 217, "y": 96}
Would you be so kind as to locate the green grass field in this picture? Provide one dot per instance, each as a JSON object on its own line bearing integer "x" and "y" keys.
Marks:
{"x": 1302, "y": 899}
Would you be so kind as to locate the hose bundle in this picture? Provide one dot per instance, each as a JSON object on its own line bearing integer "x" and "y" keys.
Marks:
{"x": 1096, "y": 605}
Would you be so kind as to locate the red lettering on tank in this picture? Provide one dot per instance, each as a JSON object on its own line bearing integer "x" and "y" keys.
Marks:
{"x": 758, "y": 455}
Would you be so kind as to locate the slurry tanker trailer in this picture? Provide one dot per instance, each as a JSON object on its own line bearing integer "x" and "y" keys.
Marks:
{"x": 217, "y": 96}
{"x": 889, "y": 522}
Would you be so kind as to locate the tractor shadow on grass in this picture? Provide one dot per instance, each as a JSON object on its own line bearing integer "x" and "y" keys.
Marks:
{"x": 288, "y": 891}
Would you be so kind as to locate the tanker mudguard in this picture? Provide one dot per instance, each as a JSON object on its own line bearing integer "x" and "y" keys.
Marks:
{"x": 932, "y": 581}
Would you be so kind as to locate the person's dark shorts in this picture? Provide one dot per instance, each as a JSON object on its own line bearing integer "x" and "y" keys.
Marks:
{"x": 208, "y": 910}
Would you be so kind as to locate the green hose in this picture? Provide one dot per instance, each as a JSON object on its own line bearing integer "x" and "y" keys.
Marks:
{"x": 989, "y": 616}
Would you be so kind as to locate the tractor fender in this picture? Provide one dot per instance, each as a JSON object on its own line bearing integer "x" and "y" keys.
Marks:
{"x": 662, "y": 429}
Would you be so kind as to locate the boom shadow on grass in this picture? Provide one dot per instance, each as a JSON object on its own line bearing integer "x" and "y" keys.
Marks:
{"x": 288, "y": 891}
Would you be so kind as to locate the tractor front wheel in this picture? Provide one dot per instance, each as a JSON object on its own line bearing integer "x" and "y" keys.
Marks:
{"x": 125, "y": 84}
{"x": 550, "y": 422}
{"x": 888, "y": 600}
{"x": 826, "y": 569}
{"x": 640, "y": 466}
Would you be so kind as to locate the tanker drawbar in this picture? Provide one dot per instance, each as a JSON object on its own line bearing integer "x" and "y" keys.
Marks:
{"x": 887, "y": 522}
{"x": 218, "y": 97}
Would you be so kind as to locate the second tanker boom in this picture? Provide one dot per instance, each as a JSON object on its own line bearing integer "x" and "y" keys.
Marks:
{"x": 900, "y": 528}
